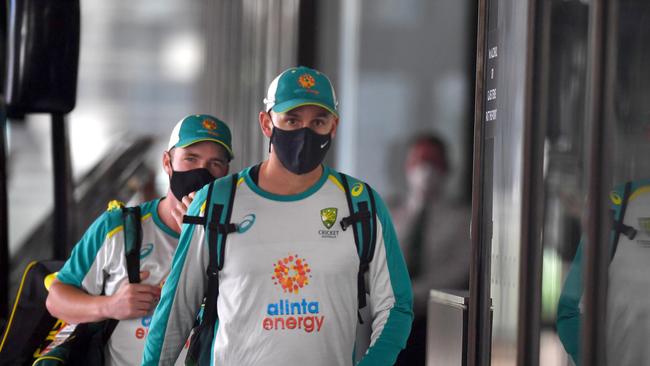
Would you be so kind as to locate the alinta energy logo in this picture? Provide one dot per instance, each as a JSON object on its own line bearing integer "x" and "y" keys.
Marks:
{"x": 292, "y": 274}
{"x": 328, "y": 218}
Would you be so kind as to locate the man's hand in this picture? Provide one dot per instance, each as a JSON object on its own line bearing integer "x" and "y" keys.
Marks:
{"x": 181, "y": 209}
{"x": 75, "y": 306}
{"x": 133, "y": 300}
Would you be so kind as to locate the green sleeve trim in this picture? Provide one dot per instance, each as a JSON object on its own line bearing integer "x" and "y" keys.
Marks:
{"x": 568, "y": 309}
{"x": 398, "y": 325}
{"x": 85, "y": 251}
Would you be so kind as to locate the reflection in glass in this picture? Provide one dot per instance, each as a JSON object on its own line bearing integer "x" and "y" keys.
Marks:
{"x": 628, "y": 302}
{"x": 564, "y": 176}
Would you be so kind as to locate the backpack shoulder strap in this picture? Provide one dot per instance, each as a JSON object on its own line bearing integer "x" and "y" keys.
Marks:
{"x": 216, "y": 221}
{"x": 363, "y": 220}
{"x": 132, "y": 227}
{"x": 131, "y": 218}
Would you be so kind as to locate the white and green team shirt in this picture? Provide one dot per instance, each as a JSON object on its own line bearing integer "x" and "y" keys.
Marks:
{"x": 288, "y": 287}
{"x": 98, "y": 266}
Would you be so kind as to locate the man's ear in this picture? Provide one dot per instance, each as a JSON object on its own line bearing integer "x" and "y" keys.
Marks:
{"x": 167, "y": 163}
{"x": 335, "y": 126}
{"x": 266, "y": 124}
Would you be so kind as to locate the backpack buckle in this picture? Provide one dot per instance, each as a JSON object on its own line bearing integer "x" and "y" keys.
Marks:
{"x": 354, "y": 218}
{"x": 212, "y": 271}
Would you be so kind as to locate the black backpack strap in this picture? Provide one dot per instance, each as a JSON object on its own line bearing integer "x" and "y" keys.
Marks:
{"x": 132, "y": 227}
{"x": 132, "y": 241}
{"x": 218, "y": 227}
{"x": 617, "y": 225}
{"x": 364, "y": 224}
{"x": 194, "y": 220}
{"x": 373, "y": 214}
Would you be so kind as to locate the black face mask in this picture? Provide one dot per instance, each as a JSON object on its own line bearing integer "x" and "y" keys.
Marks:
{"x": 300, "y": 151}
{"x": 184, "y": 183}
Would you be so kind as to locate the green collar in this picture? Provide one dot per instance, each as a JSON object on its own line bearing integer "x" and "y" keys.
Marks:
{"x": 161, "y": 225}
{"x": 286, "y": 198}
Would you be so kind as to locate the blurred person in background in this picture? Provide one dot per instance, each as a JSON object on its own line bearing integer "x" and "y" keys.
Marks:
{"x": 433, "y": 232}
{"x": 93, "y": 284}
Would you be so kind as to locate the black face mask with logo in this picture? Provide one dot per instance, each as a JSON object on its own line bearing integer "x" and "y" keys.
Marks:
{"x": 184, "y": 183}
{"x": 300, "y": 151}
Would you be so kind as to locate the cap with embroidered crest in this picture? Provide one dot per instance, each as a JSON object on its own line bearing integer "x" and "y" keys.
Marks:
{"x": 201, "y": 127}
{"x": 300, "y": 86}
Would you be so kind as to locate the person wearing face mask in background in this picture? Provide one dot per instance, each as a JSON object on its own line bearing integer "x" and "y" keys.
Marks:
{"x": 433, "y": 232}
{"x": 93, "y": 283}
{"x": 289, "y": 281}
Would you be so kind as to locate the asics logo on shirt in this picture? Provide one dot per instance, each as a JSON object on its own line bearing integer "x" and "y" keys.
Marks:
{"x": 146, "y": 250}
{"x": 246, "y": 224}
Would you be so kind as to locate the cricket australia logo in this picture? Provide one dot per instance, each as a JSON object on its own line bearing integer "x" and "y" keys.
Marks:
{"x": 328, "y": 218}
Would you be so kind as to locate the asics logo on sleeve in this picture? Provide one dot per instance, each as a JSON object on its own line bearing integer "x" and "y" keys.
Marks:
{"x": 357, "y": 189}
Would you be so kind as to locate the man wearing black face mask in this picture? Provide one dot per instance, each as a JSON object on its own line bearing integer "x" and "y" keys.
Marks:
{"x": 93, "y": 284}
{"x": 291, "y": 281}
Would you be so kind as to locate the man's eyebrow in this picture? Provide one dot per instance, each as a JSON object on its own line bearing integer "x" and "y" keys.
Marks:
{"x": 323, "y": 114}
{"x": 218, "y": 158}
{"x": 320, "y": 114}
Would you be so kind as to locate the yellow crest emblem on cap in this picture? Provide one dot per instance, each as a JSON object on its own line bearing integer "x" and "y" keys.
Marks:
{"x": 209, "y": 124}
{"x": 306, "y": 81}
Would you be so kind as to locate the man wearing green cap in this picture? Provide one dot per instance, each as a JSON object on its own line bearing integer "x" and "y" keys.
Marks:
{"x": 93, "y": 284}
{"x": 290, "y": 277}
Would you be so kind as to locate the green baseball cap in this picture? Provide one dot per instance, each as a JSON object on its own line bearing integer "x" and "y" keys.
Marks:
{"x": 200, "y": 127}
{"x": 300, "y": 86}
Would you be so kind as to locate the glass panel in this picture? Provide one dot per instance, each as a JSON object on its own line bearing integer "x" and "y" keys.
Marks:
{"x": 565, "y": 175}
{"x": 628, "y": 303}
{"x": 506, "y": 115}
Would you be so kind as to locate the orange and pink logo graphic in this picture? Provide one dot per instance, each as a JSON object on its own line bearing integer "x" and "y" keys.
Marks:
{"x": 210, "y": 125}
{"x": 291, "y": 273}
{"x": 306, "y": 81}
